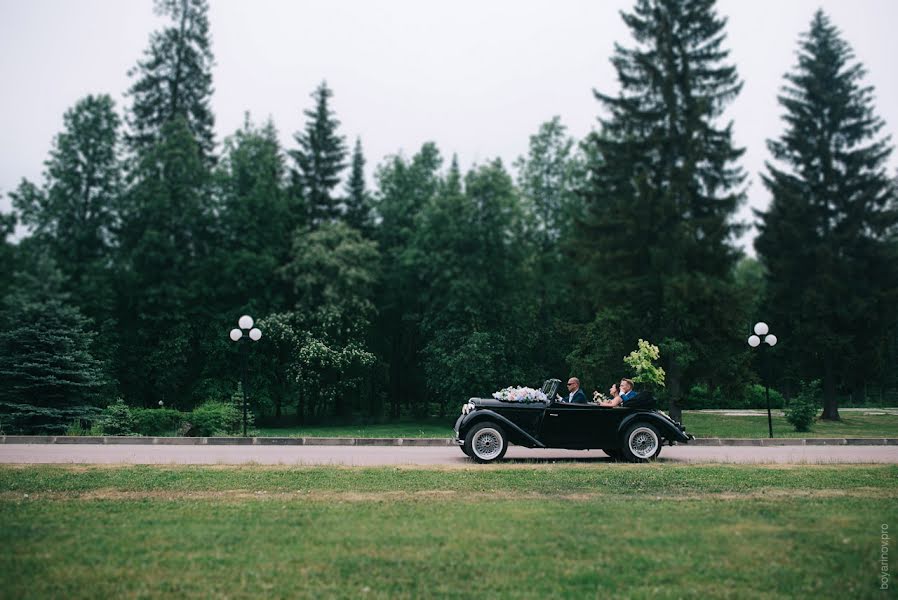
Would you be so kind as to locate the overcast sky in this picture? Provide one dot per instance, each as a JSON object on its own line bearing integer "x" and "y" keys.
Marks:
{"x": 475, "y": 76}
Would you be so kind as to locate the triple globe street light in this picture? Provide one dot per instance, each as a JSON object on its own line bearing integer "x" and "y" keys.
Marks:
{"x": 754, "y": 341}
{"x": 245, "y": 322}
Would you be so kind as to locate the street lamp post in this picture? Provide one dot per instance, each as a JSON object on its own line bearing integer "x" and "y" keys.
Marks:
{"x": 754, "y": 341}
{"x": 245, "y": 322}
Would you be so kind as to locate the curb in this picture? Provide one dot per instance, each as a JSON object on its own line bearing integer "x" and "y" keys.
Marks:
{"x": 415, "y": 442}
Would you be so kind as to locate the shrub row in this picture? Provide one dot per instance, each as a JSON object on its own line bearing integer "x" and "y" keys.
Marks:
{"x": 211, "y": 418}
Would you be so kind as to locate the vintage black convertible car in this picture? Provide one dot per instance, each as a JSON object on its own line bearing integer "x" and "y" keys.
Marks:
{"x": 634, "y": 433}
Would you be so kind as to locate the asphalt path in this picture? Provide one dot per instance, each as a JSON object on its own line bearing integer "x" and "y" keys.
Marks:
{"x": 451, "y": 456}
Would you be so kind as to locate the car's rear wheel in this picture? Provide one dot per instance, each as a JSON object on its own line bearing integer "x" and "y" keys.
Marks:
{"x": 642, "y": 442}
{"x": 486, "y": 442}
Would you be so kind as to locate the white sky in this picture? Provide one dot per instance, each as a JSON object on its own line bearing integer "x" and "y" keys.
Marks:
{"x": 475, "y": 76}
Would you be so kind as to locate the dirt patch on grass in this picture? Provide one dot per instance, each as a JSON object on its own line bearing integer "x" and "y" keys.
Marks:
{"x": 242, "y": 495}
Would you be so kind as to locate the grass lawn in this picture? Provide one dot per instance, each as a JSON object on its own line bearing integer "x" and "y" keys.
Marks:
{"x": 853, "y": 424}
{"x": 543, "y": 531}
{"x": 698, "y": 423}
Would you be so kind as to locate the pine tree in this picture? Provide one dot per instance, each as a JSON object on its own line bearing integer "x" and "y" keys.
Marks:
{"x": 319, "y": 159}
{"x": 175, "y": 78}
{"x": 663, "y": 189}
{"x": 358, "y": 201}
{"x": 825, "y": 238}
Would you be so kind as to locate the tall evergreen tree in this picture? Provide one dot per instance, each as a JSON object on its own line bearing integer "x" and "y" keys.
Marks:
{"x": 320, "y": 158}
{"x": 175, "y": 78}
{"x": 8, "y": 252}
{"x": 254, "y": 218}
{"x": 404, "y": 188}
{"x": 550, "y": 178}
{"x": 470, "y": 255}
{"x": 358, "y": 200}
{"x": 73, "y": 215}
{"x": 825, "y": 240}
{"x": 663, "y": 189}
{"x": 165, "y": 266}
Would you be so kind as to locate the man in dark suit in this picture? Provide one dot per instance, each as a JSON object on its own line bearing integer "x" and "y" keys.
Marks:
{"x": 576, "y": 395}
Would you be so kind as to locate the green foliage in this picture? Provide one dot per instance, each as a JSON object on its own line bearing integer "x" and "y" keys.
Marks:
{"x": 166, "y": 255}
{"x": 358, "y": 200}
{"x": 74, "y": 212}
{"x": 642, "y": 362}
{"x": 470, "y": 255}
{"x": 753, "y": 396}
{"x": 157, "y": 421}
{"x": 831, "y": 220}
{"x": 320, "y": 158}
{"x": 215, "y": 418}
{"x": 117, "y": 419}
{"x": 658, "y": 233}
{"x": 174, "y": 79}
{"x": 50, "y": 375}
{"x": 801, "y": 410}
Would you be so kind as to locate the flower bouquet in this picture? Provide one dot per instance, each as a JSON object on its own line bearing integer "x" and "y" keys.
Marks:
{"x": 520, "y": 394}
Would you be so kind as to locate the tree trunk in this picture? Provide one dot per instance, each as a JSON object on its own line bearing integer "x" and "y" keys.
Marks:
{"x": 300, "y": 405}
{"x": 830, "y": 404}
{"x": 673, "y": 389}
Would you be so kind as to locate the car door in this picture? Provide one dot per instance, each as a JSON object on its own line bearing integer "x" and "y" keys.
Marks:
{"x": 604, "y": 424}
{"x": 566, "y": 425}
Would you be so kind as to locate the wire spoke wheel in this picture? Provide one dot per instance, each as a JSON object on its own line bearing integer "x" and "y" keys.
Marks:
{"x": 487, "y": 443}
{"x": 643, "y": 442}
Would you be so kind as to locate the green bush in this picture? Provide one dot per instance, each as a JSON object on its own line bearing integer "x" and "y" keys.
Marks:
{"x": 157, "y": 421}
{"x": 752, "y": 396}
{"x": 216, "y": 418}
{"x": 801, "y": 410}
{"x": 77, "y": 428}
{"x": 117, "y": 419}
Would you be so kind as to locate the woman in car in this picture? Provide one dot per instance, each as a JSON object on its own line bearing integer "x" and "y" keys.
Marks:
{"x": 620, "y": 397}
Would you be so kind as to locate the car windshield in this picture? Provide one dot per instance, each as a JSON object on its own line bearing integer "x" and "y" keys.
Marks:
{"x": 550, "y": 387}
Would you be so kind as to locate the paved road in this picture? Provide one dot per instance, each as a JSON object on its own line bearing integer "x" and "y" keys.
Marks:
{"x": 373, "y": 455}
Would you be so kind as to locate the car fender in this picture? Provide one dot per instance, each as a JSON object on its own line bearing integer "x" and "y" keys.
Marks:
{"x": 516, "y": 435}
{"x": 665, "y": 427}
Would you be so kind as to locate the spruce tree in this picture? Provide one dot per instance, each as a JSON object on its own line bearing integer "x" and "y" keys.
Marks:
{"x": 358, "y": 201}
{"x": 320, "y": 158}
{"x": 50, "y": 375}
{"x": 663, "y": 188}
{"x": 165, "y": 270}
{"x": 825, "y": 239}
{"x": 174, "y": 79}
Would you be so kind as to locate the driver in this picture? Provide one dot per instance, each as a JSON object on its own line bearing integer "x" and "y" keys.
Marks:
{"x": 575, "y": 395}
{"x": 620, "y": 397}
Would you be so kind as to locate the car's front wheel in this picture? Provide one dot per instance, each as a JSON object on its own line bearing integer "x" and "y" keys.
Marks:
{"x": 486, "y": 442}
{"x": 642, "y": 442}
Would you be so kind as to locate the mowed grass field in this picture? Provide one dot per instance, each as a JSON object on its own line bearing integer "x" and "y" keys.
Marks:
{"x": 523, "y": 531}
{"x": 700, "y": 424}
